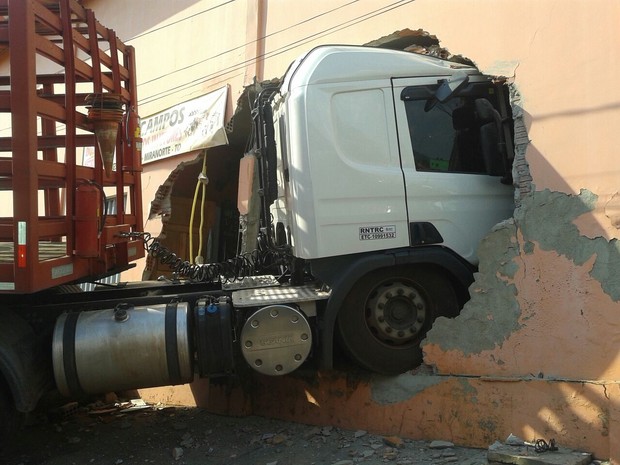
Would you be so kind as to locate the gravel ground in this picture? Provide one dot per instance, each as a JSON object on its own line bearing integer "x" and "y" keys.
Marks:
{"x": 144, "y": 434}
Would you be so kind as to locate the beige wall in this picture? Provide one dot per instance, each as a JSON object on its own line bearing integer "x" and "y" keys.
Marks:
{"x": 546, "y": 302}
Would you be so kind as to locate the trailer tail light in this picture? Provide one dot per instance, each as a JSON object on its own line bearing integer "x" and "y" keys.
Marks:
{"x": 21, "y": 244}
{"x": 21, "y": 256}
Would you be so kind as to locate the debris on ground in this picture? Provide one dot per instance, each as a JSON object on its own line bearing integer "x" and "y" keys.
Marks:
{"x": 516, "y": 451}
{"x": 134, "y": 432}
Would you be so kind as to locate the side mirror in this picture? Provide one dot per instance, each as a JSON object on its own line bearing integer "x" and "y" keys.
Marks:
{"x": 447, "y": 89}
{"x": 451, "y": 86}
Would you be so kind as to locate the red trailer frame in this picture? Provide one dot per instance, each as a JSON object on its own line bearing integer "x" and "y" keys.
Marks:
{"x": 39, "y": 168}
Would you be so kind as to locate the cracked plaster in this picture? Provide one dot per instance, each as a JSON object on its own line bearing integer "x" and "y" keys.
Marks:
{"x": 540, "y": 280}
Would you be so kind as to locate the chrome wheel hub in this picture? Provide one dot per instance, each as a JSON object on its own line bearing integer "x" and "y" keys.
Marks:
{"x": 396, "y": 312}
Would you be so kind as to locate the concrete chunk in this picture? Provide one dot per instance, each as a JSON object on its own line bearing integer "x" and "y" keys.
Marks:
{"x": 438, "y": 444}
{"x": 527, "y": 456}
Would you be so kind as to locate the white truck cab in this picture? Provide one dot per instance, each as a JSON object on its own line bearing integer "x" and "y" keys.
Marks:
{"x": 364, "y": 166}
{"x": 380, "y": 172}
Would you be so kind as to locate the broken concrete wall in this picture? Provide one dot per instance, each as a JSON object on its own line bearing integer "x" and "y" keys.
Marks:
{"x": 545, "y": 302}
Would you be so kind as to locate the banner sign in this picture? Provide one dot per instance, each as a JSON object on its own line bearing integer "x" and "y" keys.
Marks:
{"x": 192, "y": 125}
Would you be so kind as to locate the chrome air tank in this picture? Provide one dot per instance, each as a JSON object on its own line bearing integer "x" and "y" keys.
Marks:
{"x": 122, "y": 348}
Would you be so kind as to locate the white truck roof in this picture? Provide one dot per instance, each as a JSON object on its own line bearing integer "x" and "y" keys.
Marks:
{"x": 337, "y": 63}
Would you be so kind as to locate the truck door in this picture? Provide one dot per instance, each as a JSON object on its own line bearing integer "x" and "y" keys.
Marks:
{"x": 345, "y": 192}
{"x": 454, "y": 191}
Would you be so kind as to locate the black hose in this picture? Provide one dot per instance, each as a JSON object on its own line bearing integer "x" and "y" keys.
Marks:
{"x": 233, "y": 269}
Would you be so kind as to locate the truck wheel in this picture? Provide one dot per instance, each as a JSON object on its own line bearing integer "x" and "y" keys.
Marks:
{"x": 387, "y": 313}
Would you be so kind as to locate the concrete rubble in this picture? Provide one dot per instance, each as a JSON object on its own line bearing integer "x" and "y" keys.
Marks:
{"x": 516, "y": 451}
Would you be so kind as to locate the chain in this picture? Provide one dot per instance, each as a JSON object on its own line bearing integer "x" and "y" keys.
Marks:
{"x": 233, "y": 269}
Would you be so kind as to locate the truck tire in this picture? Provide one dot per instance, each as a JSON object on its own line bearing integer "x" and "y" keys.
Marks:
{"x": 387, "y": 313}
{"x": 9, "y": 417}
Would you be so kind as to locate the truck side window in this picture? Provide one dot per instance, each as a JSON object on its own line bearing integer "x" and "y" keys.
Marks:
{"x": 446, "y": 137}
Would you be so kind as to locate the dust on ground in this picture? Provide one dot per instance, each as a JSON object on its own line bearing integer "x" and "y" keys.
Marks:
{"x": 154, "y": 434}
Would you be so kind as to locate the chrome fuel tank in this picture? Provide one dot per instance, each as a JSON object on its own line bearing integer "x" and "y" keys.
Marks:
{"x": 122, "y": 348}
